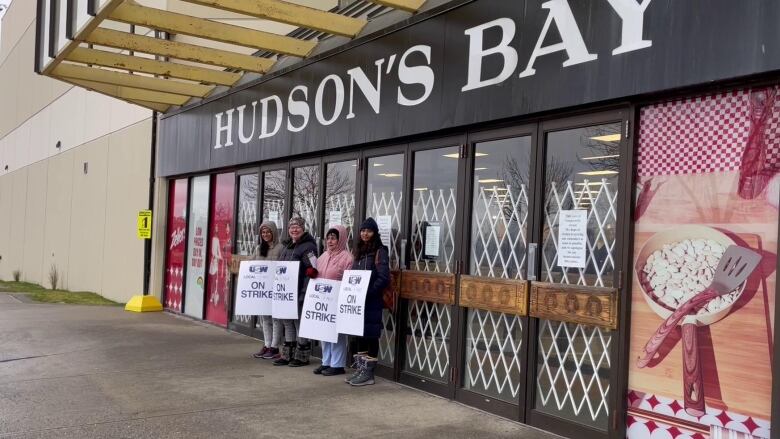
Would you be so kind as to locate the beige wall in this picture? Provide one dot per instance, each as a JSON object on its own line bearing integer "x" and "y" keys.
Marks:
{"x": 52, "y": 213}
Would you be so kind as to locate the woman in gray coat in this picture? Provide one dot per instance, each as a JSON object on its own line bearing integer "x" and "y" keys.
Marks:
{"x": 269, "y": 250}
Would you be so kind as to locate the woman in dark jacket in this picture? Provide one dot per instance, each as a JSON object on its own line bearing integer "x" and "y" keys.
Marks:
{"x": 300, "y": 247}
{"x": 370, "y": 254}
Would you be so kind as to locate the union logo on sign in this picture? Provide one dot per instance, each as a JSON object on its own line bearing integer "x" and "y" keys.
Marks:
{"x": 281, "y": 270}
{"x": 258, "y": 269}
{"x": 322, "y": 288}
{"x": 354, "y": 279}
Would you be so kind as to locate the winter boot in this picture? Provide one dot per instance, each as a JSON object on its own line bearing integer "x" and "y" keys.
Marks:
{"x": 288, "y": 350}
{"x": 357, "y": 364}
{"x": 366, "y": 376}
{"x": 302, "y": 355}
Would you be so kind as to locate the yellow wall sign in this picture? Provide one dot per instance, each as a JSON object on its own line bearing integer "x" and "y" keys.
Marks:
{"x": 144, "y": 224}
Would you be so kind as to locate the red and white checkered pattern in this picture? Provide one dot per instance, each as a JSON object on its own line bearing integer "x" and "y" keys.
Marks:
{"x": 703, "y": 134}
{"x": 720, "y": 423}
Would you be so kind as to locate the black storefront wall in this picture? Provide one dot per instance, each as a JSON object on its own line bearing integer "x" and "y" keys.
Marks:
{"x": 436, "y": 74}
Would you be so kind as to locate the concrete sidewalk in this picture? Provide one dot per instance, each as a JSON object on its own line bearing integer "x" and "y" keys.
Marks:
{"x": 99, "y": 372}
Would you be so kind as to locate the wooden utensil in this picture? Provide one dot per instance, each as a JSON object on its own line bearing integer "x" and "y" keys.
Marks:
{"x": 733, "y": 269}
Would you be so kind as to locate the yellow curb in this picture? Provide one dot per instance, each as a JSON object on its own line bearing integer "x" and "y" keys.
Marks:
{"x": 143, "y": 304}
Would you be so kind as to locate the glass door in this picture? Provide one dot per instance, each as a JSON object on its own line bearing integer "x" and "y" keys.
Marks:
{"x": 429, "y": 283}
{"x": 493, "y": 290}
{"x": 247, "y": 236}
{"x": 573, "y": 305}
{"x": 306, "y": 185}
{"x": 384, "y": 201}
{"x": 340, "y": 195}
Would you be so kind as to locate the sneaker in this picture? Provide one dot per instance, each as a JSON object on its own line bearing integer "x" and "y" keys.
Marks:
{"x": 320, "y": 370}
{"x": 297, "y": 363}
{"x": 366, "y": 377}
{"x": 331, "y": 371}
{"x": 271, "y": 354}
{"x": 281, "y": 361}
{"x": 262, "y": 352}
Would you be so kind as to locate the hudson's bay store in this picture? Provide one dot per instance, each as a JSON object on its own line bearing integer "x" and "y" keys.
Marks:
{"x": 553, "y": 178}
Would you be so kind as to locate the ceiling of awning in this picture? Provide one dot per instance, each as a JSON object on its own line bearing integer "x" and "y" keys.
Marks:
{"x": 123, "y": 49}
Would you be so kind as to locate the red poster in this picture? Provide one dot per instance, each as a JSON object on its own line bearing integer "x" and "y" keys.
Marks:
{"x": 220, "y": 247}
{"x": 707, "y": 187}
{"x": 175, "y": 244}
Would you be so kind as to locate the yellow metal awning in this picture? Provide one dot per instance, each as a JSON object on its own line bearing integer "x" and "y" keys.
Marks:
{"x": 121, "y": 48}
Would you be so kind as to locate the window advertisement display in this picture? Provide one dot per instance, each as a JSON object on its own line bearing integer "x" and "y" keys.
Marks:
{"x": 707, "y": 189}
{"x": 196, "y": 247}
{"x": 175, "y": 245}
{"x": 220, "y": 247}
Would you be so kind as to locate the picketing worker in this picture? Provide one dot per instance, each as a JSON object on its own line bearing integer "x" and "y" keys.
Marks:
{"x": 269, "y": 250}
{"x": 300, "y": 247}
{"x": 331, "y": 265}
{"x": 370, "y": 254}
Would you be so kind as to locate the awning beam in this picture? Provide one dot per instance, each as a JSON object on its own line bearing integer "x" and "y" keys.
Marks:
{"x": 174, "y": 49}
{"x": 404, "y": 5}
{"x": 131, "y": 93}
{"x": 198, "y": 27}
{"x": 290, "y": 13}
{"x": 144, "y": 65}
{"x": 127, "y": 80}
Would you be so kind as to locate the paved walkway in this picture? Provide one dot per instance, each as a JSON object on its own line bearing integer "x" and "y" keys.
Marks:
{"x": 98, "y": 372}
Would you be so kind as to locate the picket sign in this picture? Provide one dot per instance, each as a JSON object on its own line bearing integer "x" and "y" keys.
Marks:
{"x": 352, "y": 302}
{"x": 285, "y": 301}
{"x": 318, "y": 318}
{"x": 255, "y": 288}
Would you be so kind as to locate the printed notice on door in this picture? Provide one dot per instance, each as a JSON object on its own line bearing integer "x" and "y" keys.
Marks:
{"x": 385, "y": 224}
{"x": 432, "y": 236}
{"x": 572, "y": 238}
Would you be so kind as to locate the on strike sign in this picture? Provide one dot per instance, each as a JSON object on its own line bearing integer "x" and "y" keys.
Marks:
{"x": 352, "y": 302}
{"x": 285, "y": 302}
{"x": 318, "y": 320}
{"x": 255, "y": 288}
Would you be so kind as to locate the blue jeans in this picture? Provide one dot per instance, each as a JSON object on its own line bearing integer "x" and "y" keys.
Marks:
{"x": 335, "y": 354}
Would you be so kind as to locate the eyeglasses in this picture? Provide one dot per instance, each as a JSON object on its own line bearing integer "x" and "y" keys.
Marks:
{"x": 295, "y": 227}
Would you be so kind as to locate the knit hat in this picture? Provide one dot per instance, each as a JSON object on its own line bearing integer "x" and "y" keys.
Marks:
{"x": 297, "y": 221}
{"x": 370, "y": 224}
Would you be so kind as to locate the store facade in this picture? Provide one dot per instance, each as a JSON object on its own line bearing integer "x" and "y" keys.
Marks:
{"x": 527, "y": 163}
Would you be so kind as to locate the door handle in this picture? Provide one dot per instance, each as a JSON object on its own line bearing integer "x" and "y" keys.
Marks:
{"x": 531, "y": 263}
{"x": 403, "y": 254}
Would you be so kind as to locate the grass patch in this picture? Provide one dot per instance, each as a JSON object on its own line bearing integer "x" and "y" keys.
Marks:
{"x": 43, "y": 295}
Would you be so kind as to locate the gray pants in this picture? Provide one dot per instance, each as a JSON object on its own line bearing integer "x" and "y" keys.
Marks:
{"x": 291, "y": 331}
{"x": 272, "y": 331}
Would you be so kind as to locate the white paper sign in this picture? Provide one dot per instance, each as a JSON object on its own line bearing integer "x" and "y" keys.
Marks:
{"x": 432, "y": 235}
{"x": 285, "y": 302}
{"x": 255, "y": 288}
{"x": 334, "y": 218}
{"x": 352, "y": 302}
{"x": 273, "y": 216}
{"x": 385, "y": 225}
{"x": 318, "y": 318}
{"x": 572, "y": 238}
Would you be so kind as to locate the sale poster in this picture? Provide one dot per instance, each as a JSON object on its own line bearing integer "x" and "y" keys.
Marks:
{"x": 195, "y": 285}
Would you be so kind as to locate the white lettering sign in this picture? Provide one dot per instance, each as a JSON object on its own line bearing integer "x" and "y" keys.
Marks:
{"x": 572, "y": 238}
{"x": 285, "y": 301}
{"x": 352, "y": 302}
{"x": 318, "y": 318}
{"x": 255, "y": 288}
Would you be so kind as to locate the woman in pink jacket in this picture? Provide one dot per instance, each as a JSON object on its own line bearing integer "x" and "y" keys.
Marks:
{"x": 331, "y": 265}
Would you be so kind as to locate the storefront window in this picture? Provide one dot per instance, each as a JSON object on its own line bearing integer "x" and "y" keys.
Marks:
{"x": 176, "y": 240}
{"x": 581, "y": 177}
{"x": 220, "y": 247}
{"x": 434, "y": 209}
{"x": 306, "y": 196}
{"x": 274, "y": 194}
{"x": 246, "y": 223}
{"x": 340, "y": 195}
{"x": 196, "y": 247}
